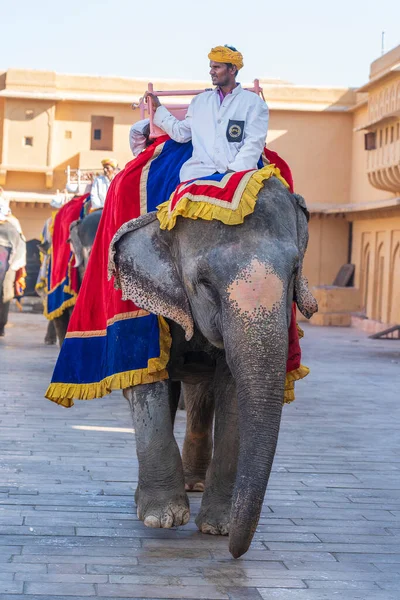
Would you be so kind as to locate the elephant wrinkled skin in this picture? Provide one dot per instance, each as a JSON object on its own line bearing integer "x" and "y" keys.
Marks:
{"x": 231, "y": 288}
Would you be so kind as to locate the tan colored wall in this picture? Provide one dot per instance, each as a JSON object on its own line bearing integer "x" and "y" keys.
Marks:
{"x": 76, "y": 117}
{"x": 380, "y": 287}
{"x": 327, "y": 249}
{"x": 317, "y": 146}
{"x": 19, "y": 127}
{"x": 26, "y": 182}
{"x": 32, "y": 218}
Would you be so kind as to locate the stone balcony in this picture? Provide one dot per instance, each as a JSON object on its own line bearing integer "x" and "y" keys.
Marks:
{"x": 383, "y": 167}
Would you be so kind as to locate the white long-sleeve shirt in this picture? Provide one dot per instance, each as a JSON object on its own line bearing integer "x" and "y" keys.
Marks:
{"x": 99, "y": 191}
{"x": 225, "y": 136}
{"x": 137, "y": 139}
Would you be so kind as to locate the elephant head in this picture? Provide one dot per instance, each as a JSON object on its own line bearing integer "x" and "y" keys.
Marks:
{"x": 236, "y": 285}
{"x": 81, "y": 237}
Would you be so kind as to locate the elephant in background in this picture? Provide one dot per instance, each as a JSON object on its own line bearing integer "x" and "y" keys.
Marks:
{"x": 12, "y": 258}
{"x": 226, "y": 292}
{"x": 82, "y": 235}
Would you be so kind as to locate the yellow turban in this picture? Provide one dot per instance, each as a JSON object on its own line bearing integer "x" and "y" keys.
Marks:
{"x": 222, "y": 54}
{"x": 110, "y": 161}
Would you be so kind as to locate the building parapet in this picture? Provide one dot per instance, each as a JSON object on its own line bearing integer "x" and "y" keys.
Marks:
{"x": 334, "y": 209}
{"x": 51, "y": 86}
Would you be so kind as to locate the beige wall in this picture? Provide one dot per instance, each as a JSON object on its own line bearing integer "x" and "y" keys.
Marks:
{"x": 77, "y": 117}
{"x": 25, "y": 182}
{"x": 317, "y": 146}
{"x": 19, "y": 128}
{"x": 32, "y": 218}
{"x": 327, "y": 249}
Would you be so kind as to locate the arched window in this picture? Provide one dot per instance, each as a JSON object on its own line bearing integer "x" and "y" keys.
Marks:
{"x": 393, "y": 98}
{"x": 365, "y": 268}
{"x": 387, "y": 101}
{"x": 379, "y": 283}
{"x": 394, "y": 297}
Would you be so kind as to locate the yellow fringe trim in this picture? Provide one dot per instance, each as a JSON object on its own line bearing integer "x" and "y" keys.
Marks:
{"x": 68, "y": 290}
{"x": 65, "y": 393}
{"x": 291, "y": 377}
{"x": 59, "y": 311}
{"x": 208, "y": 211}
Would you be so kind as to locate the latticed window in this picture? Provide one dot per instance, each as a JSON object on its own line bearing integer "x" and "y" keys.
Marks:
{"x": 370, "y": 140}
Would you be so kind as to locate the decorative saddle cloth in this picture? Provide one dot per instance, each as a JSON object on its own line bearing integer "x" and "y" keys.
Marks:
{"x": 60, "y": 284}
{"x": 112, "y": 343}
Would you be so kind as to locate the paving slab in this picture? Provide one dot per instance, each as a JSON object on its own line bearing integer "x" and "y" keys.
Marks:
{"x": 330, "y": 525}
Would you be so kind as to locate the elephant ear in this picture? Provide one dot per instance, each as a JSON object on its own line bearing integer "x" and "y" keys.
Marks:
{"x": 141, "y": 262}
{"x": 305, "y": 301}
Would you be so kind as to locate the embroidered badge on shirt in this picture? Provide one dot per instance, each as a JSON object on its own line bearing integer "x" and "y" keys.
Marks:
{"x": 235, "y": 131}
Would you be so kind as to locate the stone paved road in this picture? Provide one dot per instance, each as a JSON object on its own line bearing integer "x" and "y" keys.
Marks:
{"x": 330, "y": 526}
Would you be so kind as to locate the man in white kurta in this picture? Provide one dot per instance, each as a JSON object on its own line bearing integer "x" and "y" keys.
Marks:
{"x": 101, "y": 184}
{"x": 228, "y": 125}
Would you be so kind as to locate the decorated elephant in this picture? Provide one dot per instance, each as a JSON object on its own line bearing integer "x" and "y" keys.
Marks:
{"x": 12, "y": 261}
{"x": 227, "y": 293}
{"x": 80, "y": 235}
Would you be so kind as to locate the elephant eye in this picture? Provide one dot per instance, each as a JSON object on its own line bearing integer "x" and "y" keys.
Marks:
{"x": 204, "y": 282}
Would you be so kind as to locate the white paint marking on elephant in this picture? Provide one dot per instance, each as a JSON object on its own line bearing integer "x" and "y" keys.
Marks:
{"x": 256, "y": 287}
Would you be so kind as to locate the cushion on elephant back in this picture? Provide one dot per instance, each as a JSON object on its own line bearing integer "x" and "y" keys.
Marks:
{"x": 227, "y": 197}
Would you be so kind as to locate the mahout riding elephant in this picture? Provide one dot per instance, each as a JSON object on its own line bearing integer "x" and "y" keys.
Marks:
{"x": 12, "y": 258}
{"x": 226, "y": 292}
{"x": 82, "y": 235}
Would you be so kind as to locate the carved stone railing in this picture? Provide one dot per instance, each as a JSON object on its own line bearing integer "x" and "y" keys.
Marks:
{"x": 383, "y": 167}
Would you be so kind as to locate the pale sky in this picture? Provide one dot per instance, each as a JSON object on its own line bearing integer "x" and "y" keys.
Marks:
{"x": 305, "y": 42}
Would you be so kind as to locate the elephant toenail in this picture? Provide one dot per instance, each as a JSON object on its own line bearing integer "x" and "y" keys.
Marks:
{"x": 167, "y": 521}
{"x": 152, "y": 521}
{"x": 198, "y": 487}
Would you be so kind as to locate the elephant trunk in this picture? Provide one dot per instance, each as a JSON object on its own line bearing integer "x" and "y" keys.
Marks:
{"x": 256, "y": 351}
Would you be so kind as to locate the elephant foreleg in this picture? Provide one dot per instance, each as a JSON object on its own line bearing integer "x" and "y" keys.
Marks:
{"x": 51, "y": 337}
{"x": 197, "y": 447}
{"x": 61, "y": 325}
{"x": 160, "y": 496}
{"x": 214, "y": 515}
{"x": 4, "y": 308}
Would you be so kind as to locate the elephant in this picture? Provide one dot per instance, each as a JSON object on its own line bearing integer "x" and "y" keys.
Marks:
{"x": 82, "y": 234}
{"x": 226, "y": 293}
{"x": 12, "y": 258}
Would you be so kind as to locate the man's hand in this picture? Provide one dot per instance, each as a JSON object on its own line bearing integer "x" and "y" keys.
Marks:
{"x": 154, "y": 99}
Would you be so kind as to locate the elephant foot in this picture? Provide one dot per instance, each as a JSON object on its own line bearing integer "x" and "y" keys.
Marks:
{"x": 162, "y": 511}
{"x": 2, "y": 332}
{"x": 196, "y": 457}
{"x": 194, "y": 484}
{"x": 50, "y": 342}
{"x": 214, "y": 519}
